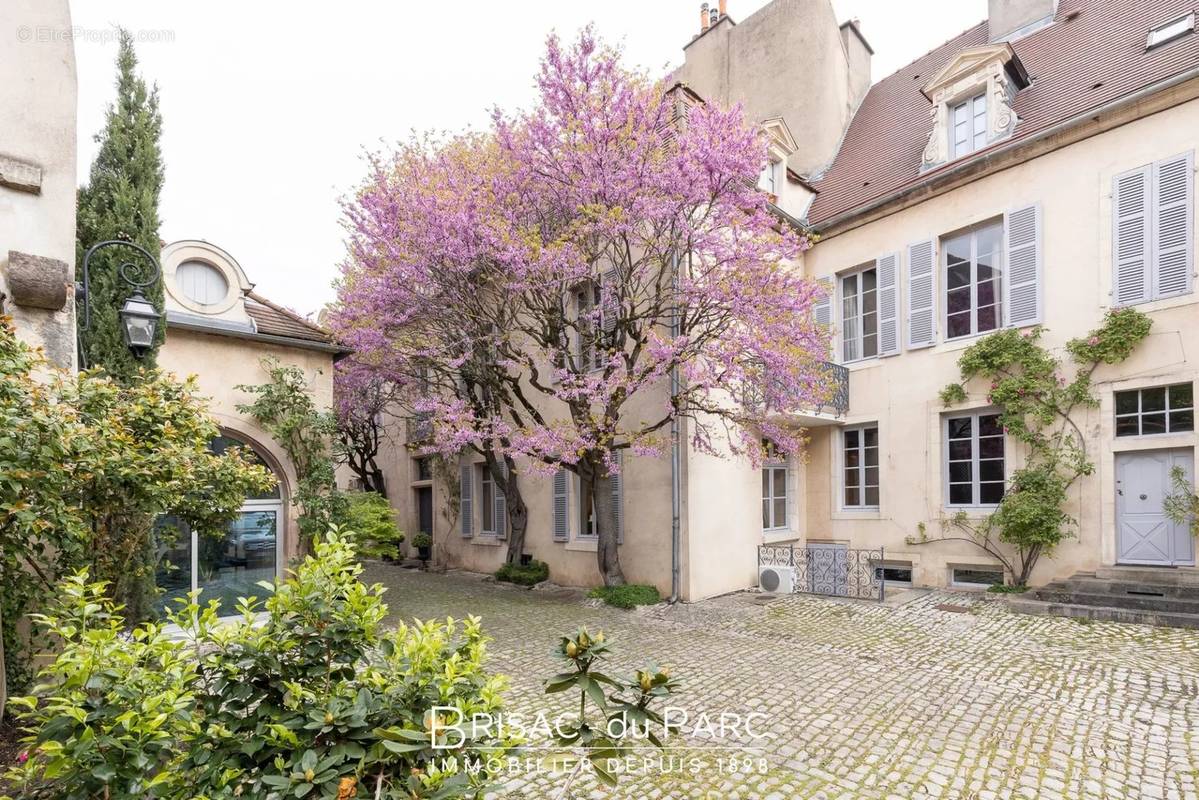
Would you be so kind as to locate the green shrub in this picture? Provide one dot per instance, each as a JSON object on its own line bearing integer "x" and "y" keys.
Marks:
{"x": 529, "y": 574}
{"x": 422, "y": 539}
{"x": 1006, "y": 588}
{"x": 627, "y": 596}
{"x": 373, "y": 522}
{"x": 308, "y": 699}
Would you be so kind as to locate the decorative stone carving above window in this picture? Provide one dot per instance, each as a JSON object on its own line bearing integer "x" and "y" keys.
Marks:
{"x": 990, "y": 75}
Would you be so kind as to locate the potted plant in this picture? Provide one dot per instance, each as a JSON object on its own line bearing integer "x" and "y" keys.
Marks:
{"x": 424, "y": 544}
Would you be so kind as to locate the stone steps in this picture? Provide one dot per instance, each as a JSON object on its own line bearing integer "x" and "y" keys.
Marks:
{"x": 1120, "y": 594}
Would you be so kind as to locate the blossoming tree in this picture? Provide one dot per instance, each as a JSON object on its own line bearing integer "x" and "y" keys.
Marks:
{"x": 565, "y": 287}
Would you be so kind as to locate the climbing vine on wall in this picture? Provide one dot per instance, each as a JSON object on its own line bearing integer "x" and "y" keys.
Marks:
{"x": 1037, "y": 396}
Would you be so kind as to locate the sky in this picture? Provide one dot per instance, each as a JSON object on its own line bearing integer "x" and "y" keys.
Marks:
{"x": 268, "y": 106}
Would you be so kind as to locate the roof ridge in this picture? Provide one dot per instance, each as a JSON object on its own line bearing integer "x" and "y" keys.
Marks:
{"x": 930, "y": 51}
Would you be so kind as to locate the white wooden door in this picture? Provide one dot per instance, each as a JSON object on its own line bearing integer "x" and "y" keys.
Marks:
{"x": 1144, "y": 535}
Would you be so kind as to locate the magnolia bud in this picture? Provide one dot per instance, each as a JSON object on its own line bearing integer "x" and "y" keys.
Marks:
{"x": 572, "y": 649}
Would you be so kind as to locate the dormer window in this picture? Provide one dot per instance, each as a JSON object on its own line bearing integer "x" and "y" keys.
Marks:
{"x": 1170, "y": 31}
{"x": 972, "y": 102}
{"x": 779, "y": 147}
{"x": 970, "y": 125}
{"x": 768, "y": 180}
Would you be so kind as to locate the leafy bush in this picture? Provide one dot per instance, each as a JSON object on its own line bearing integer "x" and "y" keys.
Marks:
{"x": 372, "y": 520}
{"x": 627, "y": 596}
{"x": 1007, "y": 588}
{"x": 310, "y": 700}
{"x": 422, "y": 539}
{"x": 529, "y": 574}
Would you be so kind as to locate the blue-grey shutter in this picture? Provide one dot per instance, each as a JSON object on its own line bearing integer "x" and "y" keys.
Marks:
{"x": 922, "y": 297}
{"x": 609, "y": 302}
{"x": 1022, "y": 284}
{"x": 500, "y": 506}
{"x": 822, "y": 309}
{"x": 888, "y": 304}
{"x": 618, "y": 495}
{"x": 1130, "y": 237}
{"x": 1173, "y": 215}
{"x": 561, "y": 506}
{"x": 466, "y": 510}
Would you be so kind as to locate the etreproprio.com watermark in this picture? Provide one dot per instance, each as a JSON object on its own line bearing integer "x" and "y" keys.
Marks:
{"x": 50, "y": 34}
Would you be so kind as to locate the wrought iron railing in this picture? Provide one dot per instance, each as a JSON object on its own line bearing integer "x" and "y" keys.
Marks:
{"x": 830, "y": 569}
{"x": 839, "y": 377}
{"x": 419, "y": 427}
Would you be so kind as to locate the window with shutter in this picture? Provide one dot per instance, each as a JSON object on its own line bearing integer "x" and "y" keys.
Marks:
{"x": 922, "y": 314}
{"x": 1022, "y": 284}
{"x": 486, "y": 502}
{"x": 466, "y": 511}
{"x": 822, "y": 309}
{"x": 972, "y": 275}
{"x": 561, "y": 506}
{"x": 1153, "y": 231}
{"x": 888, "y": 304}
{"x": 618, "y": 495}
{"x": 859, "y": 314}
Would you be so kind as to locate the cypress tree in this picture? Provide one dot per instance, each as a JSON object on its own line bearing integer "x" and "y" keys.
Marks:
{"x": 120, "y": 201}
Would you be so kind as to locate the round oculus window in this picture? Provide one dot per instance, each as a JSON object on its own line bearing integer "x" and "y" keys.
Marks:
{"x": 201, "y": 283}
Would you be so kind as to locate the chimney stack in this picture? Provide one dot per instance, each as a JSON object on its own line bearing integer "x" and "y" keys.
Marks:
{"x": 724, "y": 8}
{"x": 703, "y": 18}
{"x": 715, "y": 16}
{"x": 1014, "y": 18}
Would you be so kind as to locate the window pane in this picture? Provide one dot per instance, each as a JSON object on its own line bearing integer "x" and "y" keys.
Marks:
{"x": 988, "y": 318}
{"x": 959, "y": 325}
{"x": 1153, "y": 399}
{"x": 870, "y": 345}
{"x": 990, "y": 447}
{"x": 958, "y": 274}
{"x": 851, "y": 438}
{"x": 1128, "y": 426}
{"x": 852, "y": 476}
{"x": 1182, "y": 421}
{"x": 957, "y": 249}
{"x": 959, "y": 449}
{"x": 852, "y": 458}
{"x": 959, "y": 472}
{"x": 780, "y": 513}
{"x": 960, "y": 427}
{"x": 852, "y": 498}
{"x": 872, "y": 456}
{"x": 1126, "y": 402}
{"x": 869, "y": 280}
{"x": 871, "y": 435}
{"x": 986, "y": 293}
{"x": 765, "y": 513}
{"x": 984, "y": 576}
{"x": 990, "y": 493}
{"x": 780, "y": 483}
{"x": 872, "y": 496}
{"x": 1182, "y": 396}
{"x": 960, "y": 494}
{"x": 988, "y": 425}
{"x": 990, "y": 470}
{"x": 872, "y": 476}
{"x": 765, "y": 483}
{"x": 1153, "y": 423}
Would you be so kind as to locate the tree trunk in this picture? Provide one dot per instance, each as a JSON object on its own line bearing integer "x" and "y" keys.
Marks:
{"x": 375, "y": 483}
{"x": 607, "y": 553}
{"x": 518, "y": 521}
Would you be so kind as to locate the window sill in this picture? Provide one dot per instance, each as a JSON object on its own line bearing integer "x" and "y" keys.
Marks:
{"x": 1152, "y": 441}
{"x": 421, "y": 484}
{"x": 972, "y": 512}
{"x": 779, "y": 535}
{"x": 487, "y": 540}
{"x": 1161, "y": 303}
{"x": 857, "y": 513}
{"x": 589, "y": 545}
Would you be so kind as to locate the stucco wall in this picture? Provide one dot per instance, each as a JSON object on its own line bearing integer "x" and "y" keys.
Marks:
{"x": 1073, "y": 187}
{"x": 785, "y": 60}
{"x": 220, "y": 364}
{"x": 38, "y": 106}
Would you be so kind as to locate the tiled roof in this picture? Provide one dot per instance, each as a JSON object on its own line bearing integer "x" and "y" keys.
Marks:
{"x": 275, "y": 320}
{"x": 1092, "y": 54}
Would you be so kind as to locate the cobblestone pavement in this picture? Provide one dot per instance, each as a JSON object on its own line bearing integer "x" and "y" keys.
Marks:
{"x": 866, "y": 701}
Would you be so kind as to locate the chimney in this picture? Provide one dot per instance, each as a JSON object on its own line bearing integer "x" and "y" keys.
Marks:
{"x": 724, "y": 8}
{"x": 1011, "y": 19}
{"x": 703, "y": 18}
{"x": 714, "y": 16}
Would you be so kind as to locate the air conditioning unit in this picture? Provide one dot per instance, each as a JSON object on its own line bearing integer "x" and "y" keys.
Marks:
{"x": 776, "y": 580}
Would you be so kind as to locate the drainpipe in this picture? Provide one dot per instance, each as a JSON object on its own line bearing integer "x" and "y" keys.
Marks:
{"x": 674, "y": 453}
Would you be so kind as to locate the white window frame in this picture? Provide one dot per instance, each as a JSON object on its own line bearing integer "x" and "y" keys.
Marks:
{"x": 585, "y": 529}
{"x": 879, "y": 566}
{"x": 861, "y": 467}
{"x": 1139, "y": 414}
{"x": 859, "y": 336}
{"x": 769, "y": 468}
{"x": 970, "y": 106}
{"x": 975, "y": 482}
{"x": 769, "y": 178}
{"x": 487, "y": 490}
{"x": 1000, "y": 270}
{"x": 953, "y": 581}
{"x": 1169, "y": 31}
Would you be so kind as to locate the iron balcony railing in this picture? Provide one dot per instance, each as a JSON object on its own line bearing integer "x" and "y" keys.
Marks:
{"x": 830, "y": 569}
{"x": 836, "y": 401}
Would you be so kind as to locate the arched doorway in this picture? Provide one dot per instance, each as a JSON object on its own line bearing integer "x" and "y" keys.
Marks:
{"x": 229, "y": 566}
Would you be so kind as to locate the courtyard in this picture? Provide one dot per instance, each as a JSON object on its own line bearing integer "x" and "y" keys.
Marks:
{"x": 863, "y": 700}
